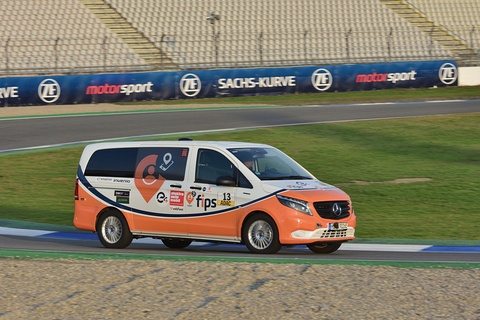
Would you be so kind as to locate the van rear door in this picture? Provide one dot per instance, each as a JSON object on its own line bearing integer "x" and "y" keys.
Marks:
{"x": 159, "y": 196}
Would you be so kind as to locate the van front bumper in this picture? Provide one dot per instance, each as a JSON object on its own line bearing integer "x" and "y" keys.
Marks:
{"x": 324, "y": 234}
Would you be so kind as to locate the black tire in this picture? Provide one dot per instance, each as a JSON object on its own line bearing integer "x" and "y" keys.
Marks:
{"x": 175, "y": 243}
{"x": 324, "y": 247}
{"x": 113, "y": 231}
{"x": 260, "y": 234}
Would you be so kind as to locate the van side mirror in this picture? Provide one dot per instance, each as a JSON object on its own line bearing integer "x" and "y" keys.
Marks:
{"x": 226, "y": 181}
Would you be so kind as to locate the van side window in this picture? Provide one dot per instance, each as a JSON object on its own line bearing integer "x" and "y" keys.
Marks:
{"x": 211, "y": 165}
{"x": 119, "y": 162}
{"x": 243, "y": 182}
{"x": 169, "y": 163}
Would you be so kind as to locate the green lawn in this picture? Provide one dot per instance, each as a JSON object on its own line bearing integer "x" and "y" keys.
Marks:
{"x": 39, "y": 186}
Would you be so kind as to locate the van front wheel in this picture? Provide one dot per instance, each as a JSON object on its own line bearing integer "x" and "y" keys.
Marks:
{"x": 113, "y": 231}
{"x": 260, "y": 234}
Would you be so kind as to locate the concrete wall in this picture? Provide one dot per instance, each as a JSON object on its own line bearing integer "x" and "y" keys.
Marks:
{"x": 469, "y": 76}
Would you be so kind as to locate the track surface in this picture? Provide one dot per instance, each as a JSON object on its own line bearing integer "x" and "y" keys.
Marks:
{"x": 238, "y": 251}
{"x": 44, "y": 131}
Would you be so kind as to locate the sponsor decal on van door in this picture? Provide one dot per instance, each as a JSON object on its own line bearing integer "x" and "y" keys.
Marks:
{"x": 147, "y": 179}
{"x": 159, "y": 179}
{"x": 155, "y": 166}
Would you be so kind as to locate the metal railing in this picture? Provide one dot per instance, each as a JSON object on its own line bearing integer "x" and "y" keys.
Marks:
{"x": 63, "y": 55}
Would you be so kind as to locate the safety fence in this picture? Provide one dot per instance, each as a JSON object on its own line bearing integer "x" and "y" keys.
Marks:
{"x": 215, "y": 50}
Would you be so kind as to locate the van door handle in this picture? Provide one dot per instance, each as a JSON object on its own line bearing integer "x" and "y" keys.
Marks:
{"x": 176, "y": 185}
{"x": 195, "y": 188}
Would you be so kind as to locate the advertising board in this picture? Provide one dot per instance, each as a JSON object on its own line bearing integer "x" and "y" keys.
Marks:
{"x": 151, "y": 86}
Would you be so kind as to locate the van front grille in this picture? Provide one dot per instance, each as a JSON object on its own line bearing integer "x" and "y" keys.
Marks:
{"x": 333, "y": 210}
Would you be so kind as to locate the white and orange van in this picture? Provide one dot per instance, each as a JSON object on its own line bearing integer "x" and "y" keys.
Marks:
{"x": 184, "y": 191}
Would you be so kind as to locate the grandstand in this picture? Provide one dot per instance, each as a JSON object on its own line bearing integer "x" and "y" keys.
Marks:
{"x": 82, "y": 36}
{"x": 460, "y": 18}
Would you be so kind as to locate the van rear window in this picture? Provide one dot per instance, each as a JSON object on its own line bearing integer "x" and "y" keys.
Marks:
{"x": 118, "y": 162}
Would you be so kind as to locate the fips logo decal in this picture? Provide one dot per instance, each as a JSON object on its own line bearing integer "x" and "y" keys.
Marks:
{"x": 190, "y": 85}
{"x": 49, "y": 90}
{"x": 322, "y": 79}
{"x": 447, "y": 73}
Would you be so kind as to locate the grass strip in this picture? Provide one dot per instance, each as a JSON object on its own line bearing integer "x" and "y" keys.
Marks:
{"x": 20, "y": 254}
{"x": 38, "y": 187}
{"x": 325, "y": 98}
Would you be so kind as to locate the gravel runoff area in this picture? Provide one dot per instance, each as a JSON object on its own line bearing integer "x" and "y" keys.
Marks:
{"x": 156, "y": 289}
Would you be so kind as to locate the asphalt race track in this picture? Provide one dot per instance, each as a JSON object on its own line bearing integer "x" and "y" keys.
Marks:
{"x": 24, "y": 133}
{"x": 348, "y": 251}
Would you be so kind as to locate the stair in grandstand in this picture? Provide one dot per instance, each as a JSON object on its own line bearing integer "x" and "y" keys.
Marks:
{"x": 438, "y": 33}
{"x": 140, "y": 44}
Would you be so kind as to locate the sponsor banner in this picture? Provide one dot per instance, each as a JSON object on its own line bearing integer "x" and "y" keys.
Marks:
{"x": 264, "y": 81}
{"x": 147, "y": 86}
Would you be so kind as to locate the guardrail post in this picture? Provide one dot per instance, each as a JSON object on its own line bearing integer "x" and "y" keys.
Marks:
{"x": 390, "y": 45}
{"x": 430, "y": 50}
{"x": 216, "y": 48}
{"x": 305, "y": 45}
{"x": 105, "y": 54}
{"x": 56, "y": 54}
{"x": 477, "y": 50}
{"x": 260, "y": 38}
{"x": 212, "y": 18}
{"x": 348, "y": 44}
{"x": 471, "y": 43}
{"x": 6, "y": 57}
{"x": 161, "y": 51}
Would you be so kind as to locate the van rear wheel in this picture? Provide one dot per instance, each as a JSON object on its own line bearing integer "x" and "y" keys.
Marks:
{"x": 260, "y": 234}
{"x": 324, "y": 247}
{"x": 113, "y": 231}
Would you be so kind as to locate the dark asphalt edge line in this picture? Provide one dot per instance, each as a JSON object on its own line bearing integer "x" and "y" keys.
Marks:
{"x": 20, "y": 254}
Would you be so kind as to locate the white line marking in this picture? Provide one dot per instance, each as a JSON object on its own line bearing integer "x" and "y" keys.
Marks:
{"x": 23, "y": 232}
{"x": 383, "y": 247}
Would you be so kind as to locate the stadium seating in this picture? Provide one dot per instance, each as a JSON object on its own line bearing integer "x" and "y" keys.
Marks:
{"x": 461, "y": 17}
{"x": 57, "y": 36}
{"x": 65, "y": 36}
{"x": 278, "y": 32}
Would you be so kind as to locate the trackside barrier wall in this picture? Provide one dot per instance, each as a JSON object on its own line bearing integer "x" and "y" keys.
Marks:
{"x": 469, "y": 76}
{"x": 125, "y": 87}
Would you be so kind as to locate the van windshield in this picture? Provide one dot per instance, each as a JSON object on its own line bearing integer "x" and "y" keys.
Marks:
{"x": 270, "y": 164}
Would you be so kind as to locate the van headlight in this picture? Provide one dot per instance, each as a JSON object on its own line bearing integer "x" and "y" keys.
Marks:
{"x": 296, "y": 204}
